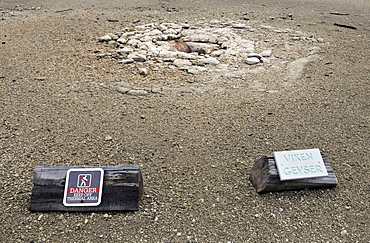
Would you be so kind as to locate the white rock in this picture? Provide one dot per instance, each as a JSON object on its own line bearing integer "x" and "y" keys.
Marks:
{"x": 154, "y": 32}
{"x": 167, "y": 54}
{"x": 137, "y": 57}
{"x": 156, "y": 89}
{"x": 171, "y": 31}
{"x": 146, "y": 38}
{"x": 252, "y": 60}
{"x": 223, "y": 67}
{"x": 125, "y": 50}
{"x": 266, "y": 53}
{"x": 162, "y": 27}
{"x": 147, "y": 45}
{"x": 238, "y": 26}
{"x": 217, "y": 53}
{"x": 164, "y": 37}
{"x": 182, "y": 63}
{"x": 266, "y": 27}
{"x": 129, "y": 35}
{"x": 123, "y": 90}
{"x": 125, "y": 61}
{"x": 104, "y": 55}
{"x": 165, "y": 45}
{"x": 141, "y": 27}
{"x": 138, "y": 92}
{"x": 249, "y": 49}
{"x": 172, "y": 25}
{"x": 196, "y": 69}
{"x": 193, "y": 71}
{"x": 210, "y": 61}
{"x": 122, "y": 40}
{"x": 155, "y": 51}
{"x": 133, "y": 42}
{"x": 265, "y": 60}
{"x": 143, "y": 71}
{"x": 254, "y": 55}
{"x": 184, "y": 55}
{"x": 113, "y": 36}
{"x": 215, "y": 21}
{"x": 105, "y": 38}
{"x": 169, "y": 37}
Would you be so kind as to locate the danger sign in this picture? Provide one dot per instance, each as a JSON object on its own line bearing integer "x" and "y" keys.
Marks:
{"x": 83, "y": 187}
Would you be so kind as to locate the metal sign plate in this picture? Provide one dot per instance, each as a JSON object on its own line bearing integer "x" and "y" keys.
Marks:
{"x": 84, "y": 187}
{"x": 300, "y": 164}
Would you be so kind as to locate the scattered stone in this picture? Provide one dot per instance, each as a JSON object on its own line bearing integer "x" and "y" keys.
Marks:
{"x": 137, "y": 57}
{"x": 105, "y": 38}
{"x": 252, "y": 60}
{"x": 156, "y": 89}
{"x": 192, "y": 46}
{"x": 182, "y": 64}
{"x": 238, "y": 26}
{"x": 266, "y": 53}
{"x": 124, "y": 51}
{"x": 265, "y": 60}
{"x": 138, "y": 92}
{"x": 254, "y": 55}
{"x": 101, "y": 55}
{"x": 193, "y": 71}
{"x": 123, "y": 90}
{"x": 125, "y": 61}
{"x": 143, "y": 71}
{"x": 215, "y": 49}
{"x": 210, "y": 61}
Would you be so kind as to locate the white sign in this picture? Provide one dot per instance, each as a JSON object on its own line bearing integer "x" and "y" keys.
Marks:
{"x": 300, "y": 164}
{"x": 84, "y": 187}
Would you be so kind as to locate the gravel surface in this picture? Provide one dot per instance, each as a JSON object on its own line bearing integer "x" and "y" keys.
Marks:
{"x": 195, "y": 148}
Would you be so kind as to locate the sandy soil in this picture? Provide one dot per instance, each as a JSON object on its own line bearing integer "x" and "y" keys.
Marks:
{"x": 195, "y": 150}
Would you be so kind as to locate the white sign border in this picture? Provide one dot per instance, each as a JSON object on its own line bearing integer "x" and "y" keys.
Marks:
{"x": 83, "y": 204}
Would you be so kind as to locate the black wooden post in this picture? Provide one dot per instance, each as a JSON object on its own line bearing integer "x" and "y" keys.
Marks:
{"x": 122, "y": 189}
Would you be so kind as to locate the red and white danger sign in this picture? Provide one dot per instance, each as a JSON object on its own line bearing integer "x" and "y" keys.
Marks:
{"x": 83, "y": 187}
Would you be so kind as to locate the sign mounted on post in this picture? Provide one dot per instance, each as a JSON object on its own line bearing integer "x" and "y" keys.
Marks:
{"x": 300, "y": 164}
{"x": 84, "y": 187}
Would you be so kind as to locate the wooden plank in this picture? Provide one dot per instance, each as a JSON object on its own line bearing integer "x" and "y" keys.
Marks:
{"x": 122, "y": 189}
{"x": 265, "y": 178}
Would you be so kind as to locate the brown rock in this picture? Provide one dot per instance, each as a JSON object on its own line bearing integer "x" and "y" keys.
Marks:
{"x": 183, "y": 47}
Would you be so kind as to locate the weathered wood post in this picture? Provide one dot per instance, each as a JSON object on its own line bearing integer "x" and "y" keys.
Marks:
{"x": 265, "y": 177}
{"x": 122, "y": 189}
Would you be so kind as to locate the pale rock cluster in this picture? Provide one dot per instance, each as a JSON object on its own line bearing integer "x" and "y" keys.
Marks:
{"x": 192, "y": 49}
{"x": 215, "y": 53}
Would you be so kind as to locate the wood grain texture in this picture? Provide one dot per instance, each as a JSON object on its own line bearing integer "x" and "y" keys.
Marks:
{"x": 265, "y": 178}
{"x": 122, "y": 189}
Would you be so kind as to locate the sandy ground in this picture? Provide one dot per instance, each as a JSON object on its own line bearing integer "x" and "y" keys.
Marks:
{"x": 195, "y": 150}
